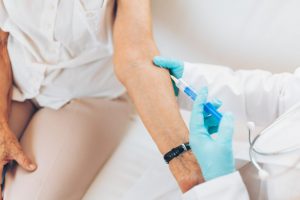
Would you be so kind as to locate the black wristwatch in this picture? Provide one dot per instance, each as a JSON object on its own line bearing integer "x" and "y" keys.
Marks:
{"x": 176, "y": 152}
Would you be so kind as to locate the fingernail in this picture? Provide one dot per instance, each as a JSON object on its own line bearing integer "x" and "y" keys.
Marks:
{"x": 32, "y": 166}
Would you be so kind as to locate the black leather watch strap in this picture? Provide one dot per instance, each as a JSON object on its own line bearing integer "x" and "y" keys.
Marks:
{"x": 176, "y": 152}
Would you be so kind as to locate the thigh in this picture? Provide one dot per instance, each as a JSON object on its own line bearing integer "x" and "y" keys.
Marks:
{"x": 20, "y": 115}
{"x": 69, "y": 146}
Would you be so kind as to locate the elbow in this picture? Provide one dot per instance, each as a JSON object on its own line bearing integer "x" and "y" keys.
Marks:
{"x": 122, "y": 68}
{"x": 132, "y": 59}
{"x": 130, "y": 65}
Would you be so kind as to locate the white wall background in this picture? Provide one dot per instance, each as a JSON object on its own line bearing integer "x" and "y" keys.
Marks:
{"x": 239, "y": 33}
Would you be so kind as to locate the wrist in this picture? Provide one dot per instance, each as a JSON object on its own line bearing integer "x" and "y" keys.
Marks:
{"x": 186, "y": 171}
{"x": 3, "y": 124}
{"x": 185, "y": 167}
{"x": 169, "y": 140}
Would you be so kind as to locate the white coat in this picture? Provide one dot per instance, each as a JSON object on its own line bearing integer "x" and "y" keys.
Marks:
{"x": 257, "y": 96}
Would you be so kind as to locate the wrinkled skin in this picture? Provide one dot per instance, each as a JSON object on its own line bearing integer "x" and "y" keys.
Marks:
{"x": 10, "y": 148}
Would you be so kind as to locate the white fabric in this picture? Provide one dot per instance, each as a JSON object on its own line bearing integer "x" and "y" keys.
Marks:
{"x": 282, "y": 134}
{"x": 222, "y": 188}
{"x": 60, "y": 50}
{"x": 3, "y": 14}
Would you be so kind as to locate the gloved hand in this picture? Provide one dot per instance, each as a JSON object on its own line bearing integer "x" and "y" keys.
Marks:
{"x": 176, "y": 69}
{"x": 214, "y": 155}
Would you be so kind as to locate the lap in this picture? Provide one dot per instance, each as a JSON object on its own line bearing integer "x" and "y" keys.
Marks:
{"x": 69, "y": 146}
{"x": 20, "y": 115}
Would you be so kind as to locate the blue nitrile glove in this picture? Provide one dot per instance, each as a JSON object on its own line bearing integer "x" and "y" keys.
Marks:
{"x": 214, "y": 155}
{"x": 174, "y": 66}
{"x": 211, "y": 124}
{"x": 176, "y": 69}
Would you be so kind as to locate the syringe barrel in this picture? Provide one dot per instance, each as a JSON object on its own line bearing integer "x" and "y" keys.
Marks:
{"x": 184, "y": 87}
{"x": 208, "y": 107}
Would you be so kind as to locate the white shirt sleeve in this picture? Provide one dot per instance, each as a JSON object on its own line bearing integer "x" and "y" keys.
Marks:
{"x": 226, "y": 187}
{"x": 254, "y": 95}
{"x": 3, "y": 14}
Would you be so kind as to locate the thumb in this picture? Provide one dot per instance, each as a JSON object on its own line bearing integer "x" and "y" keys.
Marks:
{"x": 175, "y": 67}
{"x": 226, "y": 128}
{"x": 217, "y": 103}
{"x": 24, "y": 161}
{"x": 197, "y": 116}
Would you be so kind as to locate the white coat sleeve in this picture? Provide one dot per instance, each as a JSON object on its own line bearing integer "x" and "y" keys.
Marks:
{"x": 251, "y": 95}
{"x": 226, "y": 187}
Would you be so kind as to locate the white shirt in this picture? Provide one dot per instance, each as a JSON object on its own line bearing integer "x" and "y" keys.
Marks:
{"x": 60, "y": 50}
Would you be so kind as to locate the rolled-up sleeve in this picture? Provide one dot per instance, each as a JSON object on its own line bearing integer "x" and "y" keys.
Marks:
{"x": 3, "y": 14}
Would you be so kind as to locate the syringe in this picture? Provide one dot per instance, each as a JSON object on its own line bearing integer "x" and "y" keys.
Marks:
{"x": 190, "y": 92}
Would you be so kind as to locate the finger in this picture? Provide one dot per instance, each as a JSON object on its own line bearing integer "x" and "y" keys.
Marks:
{"x": 197, "y": 118}
{"x": 211, "y": 121}
{"x": 175, "y": 67}
{"x": 217, "y": 103}
{"x": 24, "y": 161}
{"x": 226, "y": 128}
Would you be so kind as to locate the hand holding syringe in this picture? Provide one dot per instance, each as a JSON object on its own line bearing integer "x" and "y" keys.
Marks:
{"x": 214, "y": 154}
{"x": 190, "y": 92}
{"x": 176, "y": 69}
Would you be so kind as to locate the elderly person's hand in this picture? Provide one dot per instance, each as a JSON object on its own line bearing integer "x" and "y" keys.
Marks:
{"x": 10, "y": 149}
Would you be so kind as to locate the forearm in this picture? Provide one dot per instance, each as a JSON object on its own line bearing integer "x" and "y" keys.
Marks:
{"x": 150, "y": 87}
{"x": 5, "y": 78}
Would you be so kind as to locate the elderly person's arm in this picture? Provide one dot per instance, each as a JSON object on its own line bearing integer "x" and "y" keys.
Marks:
{"x": 10, "y": 148}
{"x": 5, "y": 78}
{"x": 150, "y": 87}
